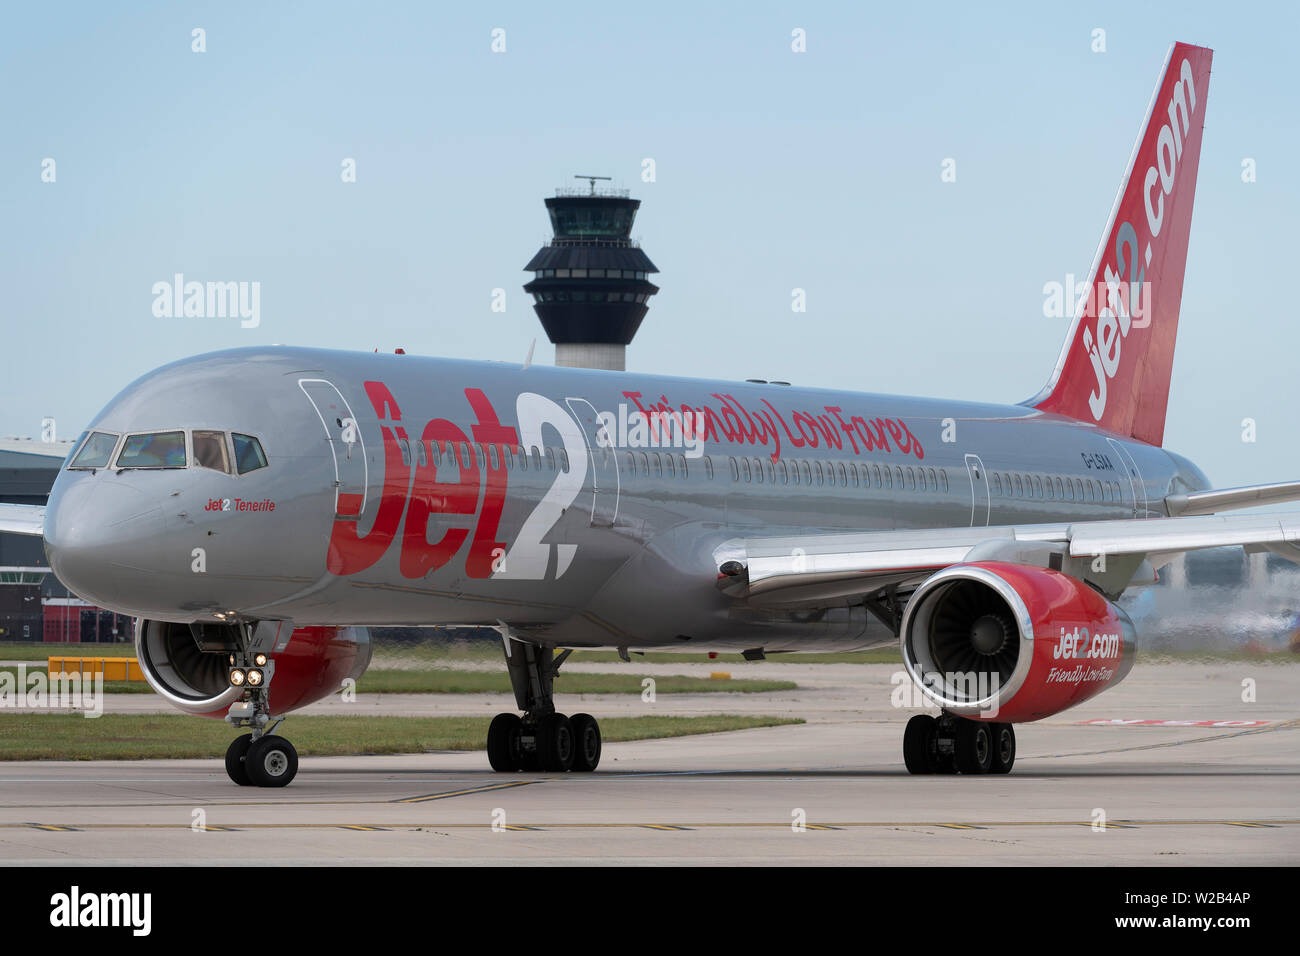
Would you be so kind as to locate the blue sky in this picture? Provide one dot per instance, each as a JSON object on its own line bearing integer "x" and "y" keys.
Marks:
{"x": 774, "y": 170}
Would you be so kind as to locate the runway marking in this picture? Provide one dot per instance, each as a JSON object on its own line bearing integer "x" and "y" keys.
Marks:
{"x": 1114, "y": 826}
{"x": 464, "y": 793}
{"x": 217, "y": 829}
{"x": 1120, "y": 722}
{"x": 1268, "y": 728}
{"x": 715, "y": 825}
{"x": 511, "y": 826}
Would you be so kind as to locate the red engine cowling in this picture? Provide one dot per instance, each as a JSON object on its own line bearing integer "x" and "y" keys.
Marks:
{"x": 194, "y": 674}
{"x": 1009, "y": 642}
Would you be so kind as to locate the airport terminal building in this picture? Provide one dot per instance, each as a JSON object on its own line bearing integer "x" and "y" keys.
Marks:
{"x": 34, "y": 606}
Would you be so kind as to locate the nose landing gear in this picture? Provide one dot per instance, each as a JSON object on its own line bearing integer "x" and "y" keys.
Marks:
{"x": 541, "y": 739}
{"x": 262, "y": 758}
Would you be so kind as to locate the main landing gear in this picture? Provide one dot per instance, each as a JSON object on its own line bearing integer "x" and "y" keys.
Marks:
{"x": 951, "y": 744}
{"x": 541, "y": 739}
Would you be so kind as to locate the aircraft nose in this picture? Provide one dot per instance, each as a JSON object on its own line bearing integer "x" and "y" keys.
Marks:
{"x": 99, "y": 534}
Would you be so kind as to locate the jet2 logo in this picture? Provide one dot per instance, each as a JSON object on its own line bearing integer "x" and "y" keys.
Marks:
{"x": 413, "y": 489}
{"x": 1103, "y": 342}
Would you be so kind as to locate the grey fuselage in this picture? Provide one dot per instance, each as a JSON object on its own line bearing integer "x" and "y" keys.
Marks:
{"x": 360, "y": 516}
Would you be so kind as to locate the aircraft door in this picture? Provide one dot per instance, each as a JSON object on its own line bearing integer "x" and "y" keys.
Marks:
{"x": 979, "y": 492}
{"x": 604, "y": 464}
{"x": 346, "y": 445}
{"x": 1137, "y": 488}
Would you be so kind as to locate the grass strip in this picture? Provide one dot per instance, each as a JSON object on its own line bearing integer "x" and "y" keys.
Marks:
{"x": 152, "y": 736}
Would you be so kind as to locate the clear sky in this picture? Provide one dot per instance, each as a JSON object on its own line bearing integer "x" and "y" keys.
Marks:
{"x": 773, "y": 170}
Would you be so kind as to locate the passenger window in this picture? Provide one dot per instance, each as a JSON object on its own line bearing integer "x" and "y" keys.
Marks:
{"x": 997, "y": 485}
{"x": 550, "y": 459}
{"x": 844, "y": 479}
{"x": 248, "y": 453}
{"x": 645, "y": 465}
{"x": 682, "y": 467}
{"x": 708, "y": 467}
{"x": 817, "y": 472}
{"x": 154, "y": 450}
{"x": 210, "y": 451}
{"x": 670, "y": 465}
{"x": 96, "y": 452}
{"x": 744, "y": 468}
{"x": 404, "y": 447}
{"x": 758, "y": 471}
{"x": 562, "y": 457}
{"x": 659, "y": 465}
{"x": 735, "y": 469}
{"x": 943, "y": 478}
{"x": 781, "y": 471}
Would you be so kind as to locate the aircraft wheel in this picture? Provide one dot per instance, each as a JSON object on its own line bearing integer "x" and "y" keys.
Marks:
{"x": 1004, "y": 748}
{"x": 917, "y": 738}
{"x": 555, "y": 743}
{"x": 235, "y": 754}
{"x": 271, "y": 761}
{"x": 973, "y": 751}
{"x": 586, "y": 742}
{"x": 503, "y": 743}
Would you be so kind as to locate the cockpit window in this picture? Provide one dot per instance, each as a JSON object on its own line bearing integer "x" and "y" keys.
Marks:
{"x": 96, "y": 452}
{"x": 210, "y": 451}
{"x": 248, "y": 453}
{"x": 153, "y": 450}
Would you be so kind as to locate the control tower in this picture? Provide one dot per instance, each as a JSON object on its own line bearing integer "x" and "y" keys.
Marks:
{"x": 590, "y": 285}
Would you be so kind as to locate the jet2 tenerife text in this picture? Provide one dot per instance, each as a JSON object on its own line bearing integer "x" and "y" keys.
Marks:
{"x": 256, "y": 509}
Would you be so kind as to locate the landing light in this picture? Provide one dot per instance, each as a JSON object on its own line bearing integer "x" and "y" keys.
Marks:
{"x": 254, "y": 678}
{"x": 260, "y": 660}
{"x": 237, "y": 677}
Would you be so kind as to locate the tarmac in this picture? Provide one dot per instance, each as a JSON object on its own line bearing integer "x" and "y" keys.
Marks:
{"x": 1187, "y": 763}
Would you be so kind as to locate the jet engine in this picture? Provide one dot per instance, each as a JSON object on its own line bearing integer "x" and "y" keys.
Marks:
{"x": 189, "y": 664}
{"x": 1009, "y": 642}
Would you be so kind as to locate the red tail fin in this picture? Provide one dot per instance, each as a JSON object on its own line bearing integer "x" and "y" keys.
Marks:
{"x": 1115, "y": 367}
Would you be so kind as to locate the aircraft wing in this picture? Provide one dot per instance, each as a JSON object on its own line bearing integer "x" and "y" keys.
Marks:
{"x": 22, "y": 519}
{"x": 819, "y": 570}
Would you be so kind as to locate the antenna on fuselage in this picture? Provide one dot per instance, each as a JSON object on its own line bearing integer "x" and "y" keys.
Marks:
{"x": 528, "y": 359}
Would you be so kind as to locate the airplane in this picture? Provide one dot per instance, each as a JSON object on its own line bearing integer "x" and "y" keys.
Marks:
{"x": 258, "y": 509}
